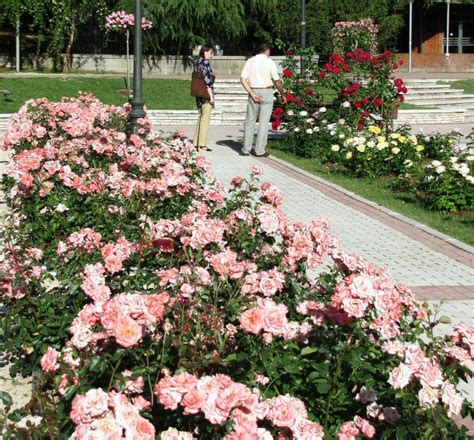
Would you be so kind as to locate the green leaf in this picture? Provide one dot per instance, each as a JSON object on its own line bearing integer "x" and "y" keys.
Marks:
{"x": 6, "y": 398}
{"x": 323, "y": 387}
{"x": 402, "y": 433}
{"x": 308, "y": 350}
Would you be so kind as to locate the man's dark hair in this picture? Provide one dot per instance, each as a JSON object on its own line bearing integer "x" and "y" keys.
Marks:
{"x": 262, "y": 48}
{"x": 206, "y": 48}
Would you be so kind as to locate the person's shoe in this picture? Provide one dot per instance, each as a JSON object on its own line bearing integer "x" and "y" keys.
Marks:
{"x": 241, "y": 153}
{"x": 266, "y": 154}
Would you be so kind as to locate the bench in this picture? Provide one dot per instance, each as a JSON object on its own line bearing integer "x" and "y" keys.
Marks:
{"x": 5, "y": 93}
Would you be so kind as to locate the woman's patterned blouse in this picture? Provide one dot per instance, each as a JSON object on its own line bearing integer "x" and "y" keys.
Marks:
{"x": 203, "y": 65}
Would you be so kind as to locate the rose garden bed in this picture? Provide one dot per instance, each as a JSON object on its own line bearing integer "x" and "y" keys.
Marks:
{"x": 151, "y": 303}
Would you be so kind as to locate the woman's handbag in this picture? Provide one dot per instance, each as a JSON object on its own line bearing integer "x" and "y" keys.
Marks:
{"x": 198, "y": 86}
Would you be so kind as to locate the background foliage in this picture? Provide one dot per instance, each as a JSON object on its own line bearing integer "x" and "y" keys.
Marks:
{"x": 237, "y": 25}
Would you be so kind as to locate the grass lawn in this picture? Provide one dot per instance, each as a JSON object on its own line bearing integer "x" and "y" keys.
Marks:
{"x": 465, "y": 84}
{"x": 409, "y": 106}
{"x": 378, "y": 190}
{"x": 159, "y": 93}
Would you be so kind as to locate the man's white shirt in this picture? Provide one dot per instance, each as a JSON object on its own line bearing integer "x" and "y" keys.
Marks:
{"x": 260, "y": 71}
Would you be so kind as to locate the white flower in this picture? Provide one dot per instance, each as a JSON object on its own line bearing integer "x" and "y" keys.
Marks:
{"x": 346, "y": 104}
{"x": 453, "y": 159}
{"x": 342, "y": 136}
{"x": 427, "y": 138}
{"x": 470, "y": 158}
{"x": 371, "y": 144}
{"x": 310, "y": 120}
{"x": 464, "y": 170}
{"x": 341, "y": 121}
{"x": 322, "y": 110}
{"x": 296, "y": 129}
{"x": 335, "y": 147}
{"x": 470, "y": 179}
{"x": 303, "y": 113}
{"x": 61, "y": 208}
{"x": 332, "y": 132}
{"x": 30, "y": 420}
{"x": 436, "y": 163}
{"x": 440, "y": 169}
{"x": 366, "y": 395}
{"x": 315, "y": 129}
{"x": 309, "y": 131}
{"x": 290, "y": 112}
{"x": 408, "y": 163}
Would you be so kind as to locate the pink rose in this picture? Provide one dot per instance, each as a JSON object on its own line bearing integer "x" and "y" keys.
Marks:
{"x": 400, "y": 376}
{"x": 307, "y": 430}
{"x": 252, "y": 320}
{"x": 348, "y": 431}
{"x": 366, "y": 428}
{"x": 127, "y": 332}
{"x": 49, "y": 361}
{"x": 193, "y": 401}
{"x": 143, "y": 429}
{"x": 268, "y": 285}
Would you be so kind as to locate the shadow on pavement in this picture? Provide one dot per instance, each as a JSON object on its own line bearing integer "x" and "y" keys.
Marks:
{"x": 230, "y": 143}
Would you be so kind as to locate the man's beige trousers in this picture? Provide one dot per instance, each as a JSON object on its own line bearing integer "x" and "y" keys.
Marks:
{"x": 264, "y": 112}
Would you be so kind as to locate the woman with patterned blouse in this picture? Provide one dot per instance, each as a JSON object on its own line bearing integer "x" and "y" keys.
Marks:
{"x": 204, "y": 105}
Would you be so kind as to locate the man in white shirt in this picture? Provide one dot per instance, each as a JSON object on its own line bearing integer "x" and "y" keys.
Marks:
{"x": 257, "y": 78}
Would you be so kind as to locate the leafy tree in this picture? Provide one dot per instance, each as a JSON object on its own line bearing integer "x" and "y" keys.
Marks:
{"x": 56, "y": 21}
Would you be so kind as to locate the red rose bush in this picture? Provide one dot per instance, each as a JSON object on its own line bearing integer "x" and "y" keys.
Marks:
{"x": 158, "y": 305}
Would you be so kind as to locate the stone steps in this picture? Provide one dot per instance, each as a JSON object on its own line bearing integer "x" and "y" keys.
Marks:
{"x": 464, "y": 102}
{"x": 431, "y": 116}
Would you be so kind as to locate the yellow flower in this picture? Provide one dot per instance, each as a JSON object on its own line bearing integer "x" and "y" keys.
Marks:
{"x": 395, "y": 135}
{"x": 375, "y": 129}
{"x": 395, "y": 150}
{"x": 348, "y": 155}
{"x": 335, "y": 147}
{"x": 382, "y": 145}
{"x": 360, "y": 148}
{"x": 413, "y": 139}
{"x": 419, "y": 148}
{"x": 402, "y": 139}
{"x": 381, "y": 139}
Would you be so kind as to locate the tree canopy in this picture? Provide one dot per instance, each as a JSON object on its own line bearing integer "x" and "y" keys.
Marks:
{"x": 180, "y": 25}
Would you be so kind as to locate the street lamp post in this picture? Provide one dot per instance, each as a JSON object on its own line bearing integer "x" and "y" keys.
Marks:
{"x": 303, "y": 32}
{"x": 137, "y": 100}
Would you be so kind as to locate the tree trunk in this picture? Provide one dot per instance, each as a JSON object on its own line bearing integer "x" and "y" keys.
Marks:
{"x": 69, "y": 47}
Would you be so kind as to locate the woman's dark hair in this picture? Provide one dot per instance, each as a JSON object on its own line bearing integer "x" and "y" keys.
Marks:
{"x": 206, "y": 48}
{"x": 262, "y": 48}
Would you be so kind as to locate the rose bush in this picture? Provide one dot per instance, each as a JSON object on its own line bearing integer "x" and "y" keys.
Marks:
{"x": 372, "y": 152}
{"x": 357, "y": 85}
{"x": 350, "y": 35}
{"x": 192, "y": 313}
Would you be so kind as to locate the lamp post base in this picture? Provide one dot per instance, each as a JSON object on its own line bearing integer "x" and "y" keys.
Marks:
{"x": 137, "y": 113}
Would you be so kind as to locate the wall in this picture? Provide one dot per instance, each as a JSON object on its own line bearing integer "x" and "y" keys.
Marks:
{"x": 166, "y": 65}
{"x": 232, "y": 65}
{"x": 440, "y": 62}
